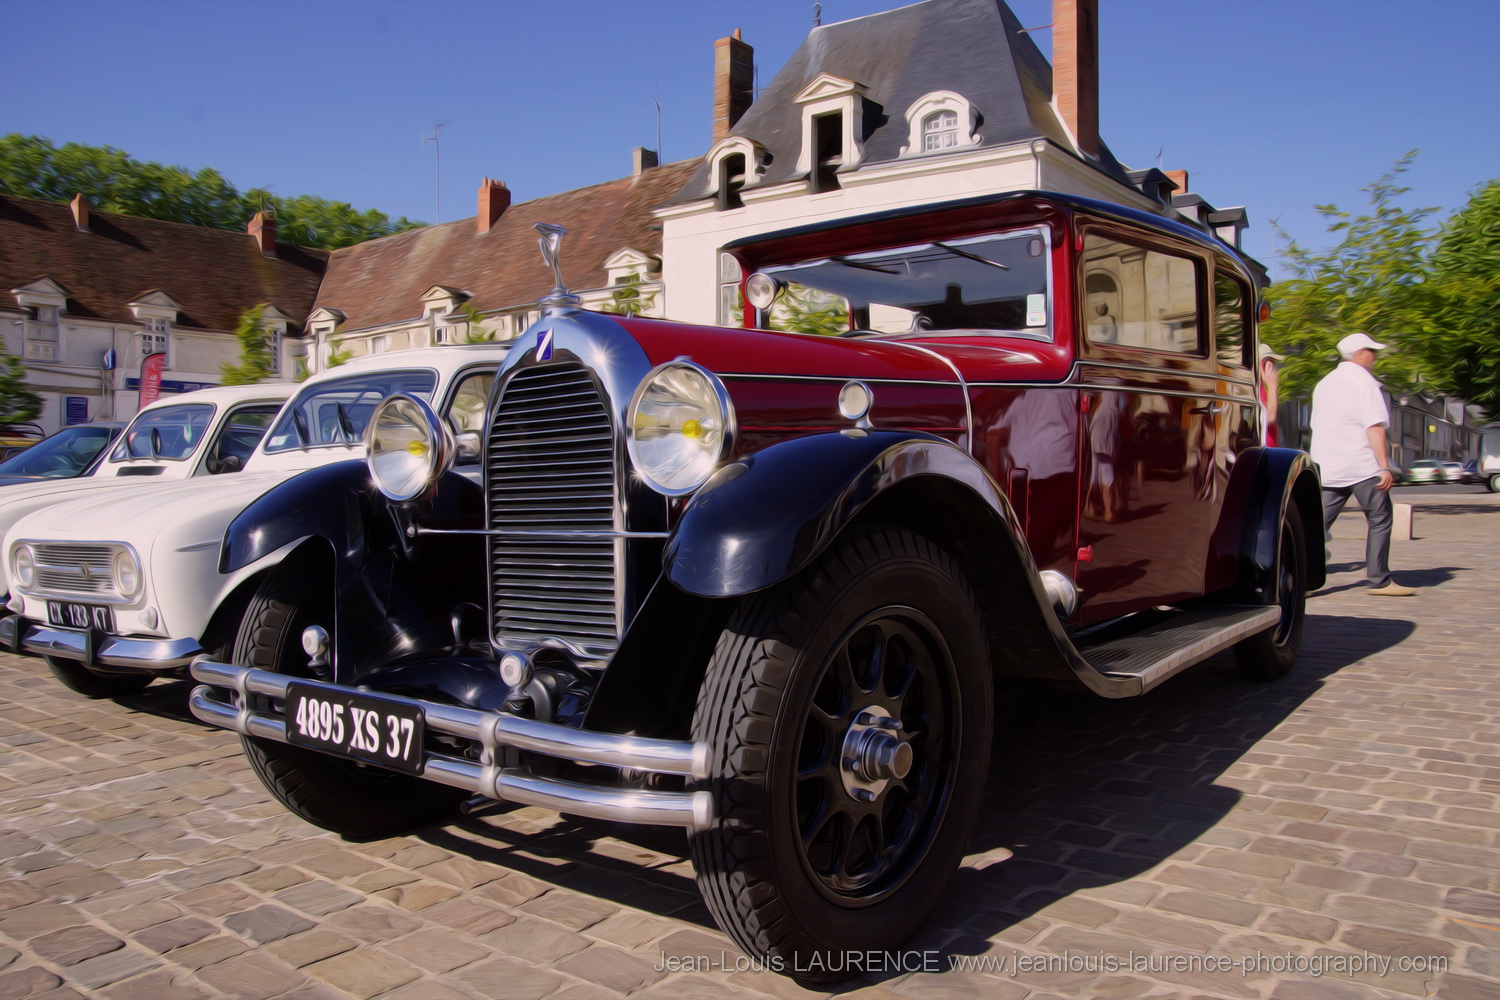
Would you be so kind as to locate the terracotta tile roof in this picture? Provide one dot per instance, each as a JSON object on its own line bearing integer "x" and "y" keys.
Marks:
{"x": 213, "y": 274}
{"x": 382, "y": 281}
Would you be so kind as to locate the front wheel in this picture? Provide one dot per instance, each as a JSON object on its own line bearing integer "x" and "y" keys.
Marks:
{"x": 848, "y": 715}
{"x": 1268, "y": 655}
{"x": 355, "y": 800}
{"x": 91, "y": 683}
{"x": 1493, "y": 482}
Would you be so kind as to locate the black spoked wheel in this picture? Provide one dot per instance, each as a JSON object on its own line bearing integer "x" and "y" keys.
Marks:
{"x": 93, "y": 684}
{"x": 1270, "y": 654}
{"x": 356, "y": 800}
{"x": 848, "y": 716}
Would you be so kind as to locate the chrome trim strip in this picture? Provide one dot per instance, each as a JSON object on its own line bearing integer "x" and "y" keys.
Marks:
{"x": 199, "y": 546}
{"x": 493, "y": 730}
{"x": 831, "y": 379}
{"x": 963, "y": 387}
{"x": 113, "y": 651}
{"x": 559, "y": 535}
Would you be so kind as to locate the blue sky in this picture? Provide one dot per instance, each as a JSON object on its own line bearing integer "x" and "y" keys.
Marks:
{"x": 1274, "y": 104}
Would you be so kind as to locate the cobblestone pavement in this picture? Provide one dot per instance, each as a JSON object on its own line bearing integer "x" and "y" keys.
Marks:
{"x": 1320, "y": 827}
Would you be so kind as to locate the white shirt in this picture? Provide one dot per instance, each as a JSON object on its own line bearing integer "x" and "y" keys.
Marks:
{"x": 1344, "y": 404}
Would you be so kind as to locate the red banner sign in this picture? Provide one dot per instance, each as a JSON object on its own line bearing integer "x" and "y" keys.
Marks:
{"x": 151, "y": 368}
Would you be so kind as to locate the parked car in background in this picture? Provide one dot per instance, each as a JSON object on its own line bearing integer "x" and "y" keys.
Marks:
{"x": 1472, "y": 472}
{"x": 70, "y": 452}
{"x": 208, "y": 432}
{"x": 116, "y": 589}
{"x": 760, "y": 585}
{"x": 1453, "y": 472}
{"x": 1425, "y": 470}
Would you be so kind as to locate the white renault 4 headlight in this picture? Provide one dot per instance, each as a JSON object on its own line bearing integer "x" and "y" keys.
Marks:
{"x": 22, "y": 566}
{"x": 407, "y": 447}
{"x": 127, "y": 574}
{"x": 680, "y": 426}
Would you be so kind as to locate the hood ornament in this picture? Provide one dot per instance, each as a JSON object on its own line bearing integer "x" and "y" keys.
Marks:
{"x": 551, "y": 242}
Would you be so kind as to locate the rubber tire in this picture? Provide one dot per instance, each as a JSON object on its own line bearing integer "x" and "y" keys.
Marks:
{"x": 353, "y": 800}
{"x": 750, "y": 711}
{"x": 1492, "y": 482}
{"x": 1269, "y": 655}
{"x": 91, "y": 683}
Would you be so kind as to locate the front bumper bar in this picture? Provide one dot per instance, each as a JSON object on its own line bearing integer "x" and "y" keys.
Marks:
{"x": 95, "y": 649}
{"x": 493, "y": 731}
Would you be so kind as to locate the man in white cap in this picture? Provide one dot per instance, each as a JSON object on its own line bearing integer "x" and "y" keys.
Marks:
{"x": 1349, "y": 418}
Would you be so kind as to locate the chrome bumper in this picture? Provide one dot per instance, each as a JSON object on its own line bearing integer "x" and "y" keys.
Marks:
{"x": 493, "y": 731}
{"x": 22, "y": 635}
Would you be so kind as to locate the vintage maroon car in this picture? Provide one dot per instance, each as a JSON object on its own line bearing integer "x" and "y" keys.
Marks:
{"x": 761, "y": 585}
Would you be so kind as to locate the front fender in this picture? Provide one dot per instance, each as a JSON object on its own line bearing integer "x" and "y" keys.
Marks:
{"x": 1283, "y": 476}
{"x": 761, "y": 519}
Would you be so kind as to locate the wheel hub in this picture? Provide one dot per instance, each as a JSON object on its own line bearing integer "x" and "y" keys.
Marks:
{"x": 873, "y": 754}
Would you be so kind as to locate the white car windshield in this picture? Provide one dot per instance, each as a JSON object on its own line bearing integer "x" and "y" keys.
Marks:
{"x": 336, "y": 412}
{"x": 170, "y": 433}
{"x": 64, "y": 454}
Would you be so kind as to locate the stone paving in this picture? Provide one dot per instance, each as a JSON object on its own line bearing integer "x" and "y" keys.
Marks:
{"x": 1331, "y": 836}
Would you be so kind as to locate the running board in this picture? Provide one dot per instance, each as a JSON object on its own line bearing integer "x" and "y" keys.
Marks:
{"x": 1176, "y": 642}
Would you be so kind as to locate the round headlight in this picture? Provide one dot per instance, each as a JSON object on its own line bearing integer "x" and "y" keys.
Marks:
{"x": 761, "y": 290}
{"x": 127, "y": 574}
{"x": 407, "y": 447}
{"x": 23, "y": 566}
{"x": 680, "y": 425}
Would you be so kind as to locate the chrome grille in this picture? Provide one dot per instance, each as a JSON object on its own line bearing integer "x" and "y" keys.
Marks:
{"x": 551, "y": 467}
{"x": 75, "y": 569}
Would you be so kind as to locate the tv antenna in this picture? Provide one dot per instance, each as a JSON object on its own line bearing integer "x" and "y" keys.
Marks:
{"x": 437, "y": 155}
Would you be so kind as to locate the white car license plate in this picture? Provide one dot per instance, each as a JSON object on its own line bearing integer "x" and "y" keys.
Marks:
{"x": 358, "y": 726}
{"x": 71, "y": 614}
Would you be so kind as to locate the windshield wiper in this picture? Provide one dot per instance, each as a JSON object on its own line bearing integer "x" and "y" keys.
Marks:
{"x": 972, "y": 256}
{"x": 863, "y": 266}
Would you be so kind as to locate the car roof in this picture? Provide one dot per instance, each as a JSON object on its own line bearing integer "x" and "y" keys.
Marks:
{"x": 228, "y": 395}
{"x": 444, "y": 360}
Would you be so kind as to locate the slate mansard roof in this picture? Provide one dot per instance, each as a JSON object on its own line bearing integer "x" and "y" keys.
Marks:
{"x": 382, "y": 281}
{"x": 213, "y": 274}
{"x": 976, "y": 48}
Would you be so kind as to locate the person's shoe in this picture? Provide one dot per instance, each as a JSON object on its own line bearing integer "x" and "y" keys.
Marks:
{"x": 1392, "y": 589}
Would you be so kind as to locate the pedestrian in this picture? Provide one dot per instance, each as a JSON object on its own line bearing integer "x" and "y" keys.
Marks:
{"x": 1268, "y": 360}
{"x": 1349, "y": 421}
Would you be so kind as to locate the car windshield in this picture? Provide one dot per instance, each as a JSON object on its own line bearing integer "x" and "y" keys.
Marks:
{"x": 61, "y": 456}
{"x": 168, "y": 432}
{"x": 997, "y": 283}
{"x": 336, "y": 412}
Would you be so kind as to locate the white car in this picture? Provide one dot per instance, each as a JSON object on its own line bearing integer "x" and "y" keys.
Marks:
{"x": 210, "y": 432}
{"x": 116, "y": 589}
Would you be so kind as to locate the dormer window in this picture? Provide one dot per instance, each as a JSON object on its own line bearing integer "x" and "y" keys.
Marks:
{"x": 735, "y": 163}
{"x": 732, "y": 180}
{"x": 833, "y": 111}
{"x": 941, "y": 121}
{"x": 828, "y": 137}
{"x": 158, "y": 324}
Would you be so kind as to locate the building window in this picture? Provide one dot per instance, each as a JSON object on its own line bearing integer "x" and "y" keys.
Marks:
{"x": 940, "y": 131}
{"x": 379, "y": 344}
{"x": 153, "y": 343}
{"x": 828, "y": 146}
{"x": 1142, "y": 298}
{"x": 157, "y": 324}
{"x": 731, "y": 307}
{"x": 731, "y": 180}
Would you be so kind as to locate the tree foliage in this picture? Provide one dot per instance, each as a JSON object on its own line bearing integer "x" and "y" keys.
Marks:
{"x": 113, "y": 181}
{"x": 17, "y": 402}
{"x": 475, "y": 331}
{"x": 1461, "y": 345}
{"x": 630, "y": 298}
{"x": 257, "y": 351}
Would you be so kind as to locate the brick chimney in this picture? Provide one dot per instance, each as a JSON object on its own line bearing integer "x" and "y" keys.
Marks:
{"x": 1075, "y": 70}
{"x": 80, "y": 207}
{"x": 263, "y": 228}
{"x": 494, "y": 199}
{"x": 642, "y": 160}
{"x": 1178, "y": 177}
{"x": 734, "y": 82}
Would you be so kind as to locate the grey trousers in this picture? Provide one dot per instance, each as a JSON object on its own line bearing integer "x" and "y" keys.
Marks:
{"x": 1377, "y": 506}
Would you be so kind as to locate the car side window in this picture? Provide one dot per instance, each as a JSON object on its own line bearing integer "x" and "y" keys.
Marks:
{"x": 1135, "y": 297}
{"x": 1230, "y": 302}
{"x": 238, "y": 438}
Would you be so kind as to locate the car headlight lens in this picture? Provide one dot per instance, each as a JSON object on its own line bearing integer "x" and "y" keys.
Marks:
{"x": 23, "y": 566}
{"x": 408, "y": 447}
{"x": 127, "y": 574}
{"x": 681, "y": 425}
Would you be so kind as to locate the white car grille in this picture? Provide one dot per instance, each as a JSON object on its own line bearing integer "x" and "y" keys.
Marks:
{"x": 75, "y": 569}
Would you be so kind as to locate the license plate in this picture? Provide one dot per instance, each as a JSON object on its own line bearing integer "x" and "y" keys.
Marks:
{"x": 70, "y": 614}
{"x": 358, "y": 726}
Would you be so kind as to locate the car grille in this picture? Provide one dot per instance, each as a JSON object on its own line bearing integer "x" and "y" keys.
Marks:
{"x": 84, "y": 570}
{"x": 551, "y": 467}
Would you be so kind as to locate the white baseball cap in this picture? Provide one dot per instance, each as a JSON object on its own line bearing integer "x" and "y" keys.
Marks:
{"x": 1358, "y": 342}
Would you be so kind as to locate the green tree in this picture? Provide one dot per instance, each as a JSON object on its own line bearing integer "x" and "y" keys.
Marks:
{"x": 17, "y": 402}
{"x": 338, "y": 354}
{"x": 257, "y": 351}
{"x": 630, "y": 299}
{"x": 1372, "y": 280}
{"x": 113, "y": 181}
{"x": 474, "y": 331}
{"x": 1460, "y": 346}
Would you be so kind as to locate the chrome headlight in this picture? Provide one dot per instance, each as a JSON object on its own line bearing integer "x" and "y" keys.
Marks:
{"x": 680, "y": 427}
{"x": 407, "y": 447}
{"x": 127, "y": 574}
{"x": 23, "y": 566}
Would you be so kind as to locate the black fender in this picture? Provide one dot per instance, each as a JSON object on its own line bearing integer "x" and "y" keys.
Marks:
{"x": 760, "y": 520}
{"x": 1280, "y": 477}
{"x": 396, "y": 584}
